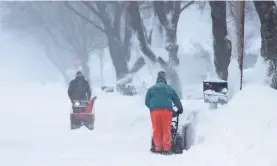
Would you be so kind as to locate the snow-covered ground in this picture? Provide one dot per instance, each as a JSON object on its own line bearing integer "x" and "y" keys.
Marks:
{"x": 34, "y": 125}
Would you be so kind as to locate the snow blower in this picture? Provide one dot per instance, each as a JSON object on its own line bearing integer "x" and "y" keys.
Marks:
{"x": 82, "y": 114}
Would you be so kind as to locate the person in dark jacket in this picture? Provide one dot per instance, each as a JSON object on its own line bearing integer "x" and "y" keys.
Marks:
{"x": 159, "y": 99}
{"x": 79, "y": 88}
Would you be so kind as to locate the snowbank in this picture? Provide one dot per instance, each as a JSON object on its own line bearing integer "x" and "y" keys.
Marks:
{"x": 32, "y": 104}
{"x": 244, "y": 132}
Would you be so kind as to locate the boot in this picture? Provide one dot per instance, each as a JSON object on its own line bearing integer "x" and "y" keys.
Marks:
{"x": 167, "y": 153}
{"x": 153, "y": 150}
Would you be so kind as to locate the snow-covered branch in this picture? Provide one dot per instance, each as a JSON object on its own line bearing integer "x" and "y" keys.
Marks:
{"x": 186, "y": 5}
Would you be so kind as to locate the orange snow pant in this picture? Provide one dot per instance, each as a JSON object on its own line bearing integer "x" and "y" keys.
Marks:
{"x": 161, "y": 124}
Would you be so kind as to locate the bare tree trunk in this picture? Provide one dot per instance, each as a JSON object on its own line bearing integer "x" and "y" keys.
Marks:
{"x": 221, "y": 44}
{"x": 127, "y": 37}
{"x": 120, "y": 64}
{"x": 137, "y": 25}
{"x": 168, "y": 14}
{"x": 121, "y": 68}
{"x": 268, "y": 17}
{"x": 160, "y": 29}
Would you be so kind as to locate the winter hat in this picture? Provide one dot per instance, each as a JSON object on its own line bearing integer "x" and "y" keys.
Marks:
{"x": 79, "y": 74}
{"x": 161, "y": 77}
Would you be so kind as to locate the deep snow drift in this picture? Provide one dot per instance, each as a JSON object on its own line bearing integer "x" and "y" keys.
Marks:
{"x": 244, "y": 132}
{"x": 35, "y": 130}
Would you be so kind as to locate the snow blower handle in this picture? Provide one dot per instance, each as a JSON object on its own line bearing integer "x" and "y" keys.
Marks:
{"x": 177, "y": 119}
{"x": 175, "y": 123}
{"x": 175, "y": 114}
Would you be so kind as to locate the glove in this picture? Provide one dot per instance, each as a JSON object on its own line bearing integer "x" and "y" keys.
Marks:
{"x": 180, "y": 111}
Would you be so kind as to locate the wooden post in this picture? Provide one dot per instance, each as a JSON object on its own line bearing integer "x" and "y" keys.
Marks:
{"x": 101, "y": 54}
{"x": 212, "y": 106}
{"x": 240, "y": 16}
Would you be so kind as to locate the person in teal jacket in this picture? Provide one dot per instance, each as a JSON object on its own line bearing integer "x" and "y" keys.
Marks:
{"x": 159, "y": 99}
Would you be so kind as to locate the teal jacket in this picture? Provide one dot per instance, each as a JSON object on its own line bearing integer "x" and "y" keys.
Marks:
{"x": 161, "y": 96}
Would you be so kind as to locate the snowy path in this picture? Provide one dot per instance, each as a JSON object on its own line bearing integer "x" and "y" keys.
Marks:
{"x": 36, "y": 135}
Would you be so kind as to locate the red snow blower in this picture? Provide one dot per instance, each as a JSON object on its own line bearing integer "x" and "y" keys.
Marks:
{"x": 82, "y": 114}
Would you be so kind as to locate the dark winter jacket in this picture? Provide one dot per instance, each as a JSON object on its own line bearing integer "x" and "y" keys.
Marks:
{"x": 79, "y": 89}
{"x": 161, "y": 96}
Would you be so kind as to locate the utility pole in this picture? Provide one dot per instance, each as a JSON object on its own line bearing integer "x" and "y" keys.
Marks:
{"x": 101, "y": 54}
{"x": 240, "y": 19}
